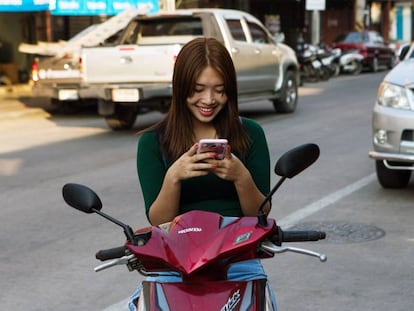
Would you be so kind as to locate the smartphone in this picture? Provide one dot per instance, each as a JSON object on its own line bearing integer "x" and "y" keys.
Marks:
{"x": 213, "y": 145}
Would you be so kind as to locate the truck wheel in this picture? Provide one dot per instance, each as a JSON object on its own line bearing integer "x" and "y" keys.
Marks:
{"x": 375, "y": 65}
{"x": 289, "y": 96}
{"x": 393, "y": 179}
{"x": 123, "y": 118}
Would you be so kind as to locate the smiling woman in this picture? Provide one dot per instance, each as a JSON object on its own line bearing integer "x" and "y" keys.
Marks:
{"x": 175, "y": 178}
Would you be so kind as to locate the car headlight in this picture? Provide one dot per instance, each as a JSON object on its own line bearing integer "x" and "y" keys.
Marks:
{"x": 393, "y": 96}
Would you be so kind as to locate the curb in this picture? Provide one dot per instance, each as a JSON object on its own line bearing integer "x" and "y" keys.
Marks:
{"x": 12, "y": 108}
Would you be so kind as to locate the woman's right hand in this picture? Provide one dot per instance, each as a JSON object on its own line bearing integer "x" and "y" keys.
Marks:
{"x": 191, "y": 164}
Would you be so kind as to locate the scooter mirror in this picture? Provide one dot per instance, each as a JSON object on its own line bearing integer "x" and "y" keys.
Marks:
{"x": 296, "y": 160}
{"x": 81, "y": 197}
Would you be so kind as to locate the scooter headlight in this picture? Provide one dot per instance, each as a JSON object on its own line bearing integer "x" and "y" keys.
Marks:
{"x": 393, "y": 96}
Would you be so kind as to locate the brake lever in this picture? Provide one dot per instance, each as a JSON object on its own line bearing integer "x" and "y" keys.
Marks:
{"x": 119, "y": 261}
{"x": 273, "y": 248}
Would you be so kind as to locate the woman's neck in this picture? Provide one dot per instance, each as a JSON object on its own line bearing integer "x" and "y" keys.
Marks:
{"x": 204, "y": 130}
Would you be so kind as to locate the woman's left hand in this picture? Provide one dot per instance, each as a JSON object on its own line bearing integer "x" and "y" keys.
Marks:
{"x": 230, "y": 167}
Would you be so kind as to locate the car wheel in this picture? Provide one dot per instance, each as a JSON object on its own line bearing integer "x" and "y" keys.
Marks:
{"x": 393, "y": 179}
{"x": 391, "y": 63}
{"x": 356, "y": 67}
{"x": 289, "y": 96}
{"x": 374, "y": 65}
{"x": 123, "y": 118}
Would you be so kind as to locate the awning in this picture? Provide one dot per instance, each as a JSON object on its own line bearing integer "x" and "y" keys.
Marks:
{"x": 79, "y": 7}
{"x": 100, "y": 7}
{"x": 23, "y": 5}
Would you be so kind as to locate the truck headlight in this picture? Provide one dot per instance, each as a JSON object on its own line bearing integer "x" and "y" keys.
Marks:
{"x": 393, "y": 96}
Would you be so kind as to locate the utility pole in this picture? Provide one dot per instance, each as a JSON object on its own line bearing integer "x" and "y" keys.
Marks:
{"x": 316, "y": 28}
{"x": 315, "y": 6}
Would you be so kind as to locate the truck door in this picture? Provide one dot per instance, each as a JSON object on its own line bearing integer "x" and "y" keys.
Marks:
{"x": 255, "y": 57}
{"x": 242, "y": 54}
{"x": 267, "y": 57}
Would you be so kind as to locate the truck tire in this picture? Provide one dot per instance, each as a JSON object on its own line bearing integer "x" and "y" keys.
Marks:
{"x": 123, "y": 118}
{"x": 392, "y": 179}
{"x": 375, "y": 65}
{"x": 289, "y": 96}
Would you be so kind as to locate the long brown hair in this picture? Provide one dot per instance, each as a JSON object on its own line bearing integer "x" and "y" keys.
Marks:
{"x": 175, "y": 131}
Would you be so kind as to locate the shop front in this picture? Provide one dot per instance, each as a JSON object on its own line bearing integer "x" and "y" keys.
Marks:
{"x": 17, "y": 18}
{"x": 34, "y": 21}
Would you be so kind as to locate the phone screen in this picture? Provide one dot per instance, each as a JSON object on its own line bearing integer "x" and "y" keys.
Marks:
{"x": 217, "y": 146}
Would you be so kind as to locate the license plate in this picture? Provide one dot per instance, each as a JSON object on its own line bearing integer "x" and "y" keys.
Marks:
{"x": 125, "y": 95}
{"x": 68, "y": 95}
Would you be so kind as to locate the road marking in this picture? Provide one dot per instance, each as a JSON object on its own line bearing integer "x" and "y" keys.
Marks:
{"x": 297, "y": 216}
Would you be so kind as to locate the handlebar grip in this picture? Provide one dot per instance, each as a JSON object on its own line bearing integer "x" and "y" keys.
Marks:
{"x": 303, "y": 236}
{"x": 110, "y": 253}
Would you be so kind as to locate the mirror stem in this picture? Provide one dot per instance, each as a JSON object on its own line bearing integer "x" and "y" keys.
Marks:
{"x": 261, "y": 215}
{"x": 127, "y": 229}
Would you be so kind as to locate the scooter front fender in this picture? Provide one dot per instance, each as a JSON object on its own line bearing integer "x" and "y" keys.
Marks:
{"x": 222, "y": 295}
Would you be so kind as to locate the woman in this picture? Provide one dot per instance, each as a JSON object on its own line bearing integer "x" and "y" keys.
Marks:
{"x": 175, "y": 178}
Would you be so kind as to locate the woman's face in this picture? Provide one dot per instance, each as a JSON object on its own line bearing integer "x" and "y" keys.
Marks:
{"x": 209, "y": 96}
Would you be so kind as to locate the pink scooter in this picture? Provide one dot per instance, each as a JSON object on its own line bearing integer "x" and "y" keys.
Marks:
{"x": 200, "y": 246}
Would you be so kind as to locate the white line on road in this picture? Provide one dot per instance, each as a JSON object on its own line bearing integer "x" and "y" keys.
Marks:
{"x": 295, "y": 217}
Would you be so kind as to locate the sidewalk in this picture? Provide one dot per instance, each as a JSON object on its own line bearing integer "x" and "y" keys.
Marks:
{"x": 17, "y": 101}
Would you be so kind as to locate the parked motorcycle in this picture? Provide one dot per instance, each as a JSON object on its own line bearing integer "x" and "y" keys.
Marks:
{"x": 351, "y": 62}
{"x": 314, "y": 64}
{"x": 334, "y": 55}
{"x": 200, "y": 246}
{"x": 329, "y": 67}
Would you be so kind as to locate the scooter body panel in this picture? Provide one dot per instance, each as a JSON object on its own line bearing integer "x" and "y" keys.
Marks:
{"x": 222, "y": 295}
{"x": 197, "y": 242}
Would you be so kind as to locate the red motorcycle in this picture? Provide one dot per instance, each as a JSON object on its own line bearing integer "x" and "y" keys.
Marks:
{"x": 201, "y": 246}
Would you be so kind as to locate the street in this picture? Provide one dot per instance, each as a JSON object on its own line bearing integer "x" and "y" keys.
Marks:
{"x": 48, "y": 249}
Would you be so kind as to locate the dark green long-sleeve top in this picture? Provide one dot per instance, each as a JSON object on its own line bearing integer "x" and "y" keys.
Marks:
{"x": 208, "y": 193}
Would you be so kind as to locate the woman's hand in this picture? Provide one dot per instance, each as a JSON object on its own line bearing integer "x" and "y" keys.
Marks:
{"x": 191, "y": 164}
{"x": 230, "y": 168}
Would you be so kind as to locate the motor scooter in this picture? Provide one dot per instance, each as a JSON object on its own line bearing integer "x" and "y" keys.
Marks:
{"x": 351, "y": 62}
{"x": 201, "y": 246}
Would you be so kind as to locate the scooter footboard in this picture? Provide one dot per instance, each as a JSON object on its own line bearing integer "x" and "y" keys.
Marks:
{"x": 221, "y": 296}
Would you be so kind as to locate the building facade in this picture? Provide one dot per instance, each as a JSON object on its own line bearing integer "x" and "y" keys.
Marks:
{"x": 393, "y": 19}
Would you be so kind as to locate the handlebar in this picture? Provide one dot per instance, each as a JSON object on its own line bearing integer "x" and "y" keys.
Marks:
{"x": 303, "y": 236}
{"x": 297, "y": 236}
{"x": 110, "y": 253}
{"x": 275, "y": 243}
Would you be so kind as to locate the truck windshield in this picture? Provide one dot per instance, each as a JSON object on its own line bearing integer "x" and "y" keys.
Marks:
{"x": 141, "y": 31}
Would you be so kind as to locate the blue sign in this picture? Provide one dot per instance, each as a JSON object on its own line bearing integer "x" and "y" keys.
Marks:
{"x": 78, "y": 7}
{"x": 100, "y": 7}
{"x": 24, "y": 5}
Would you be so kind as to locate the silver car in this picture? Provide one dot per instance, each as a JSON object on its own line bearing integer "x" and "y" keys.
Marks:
{"x": 393, "y": 124}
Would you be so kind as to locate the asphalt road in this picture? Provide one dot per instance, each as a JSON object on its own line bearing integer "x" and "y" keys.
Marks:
{"x": 47, "y": 248}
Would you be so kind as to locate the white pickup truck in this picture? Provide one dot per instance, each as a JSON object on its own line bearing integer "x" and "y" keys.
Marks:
{"x": 135, "y": 74}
